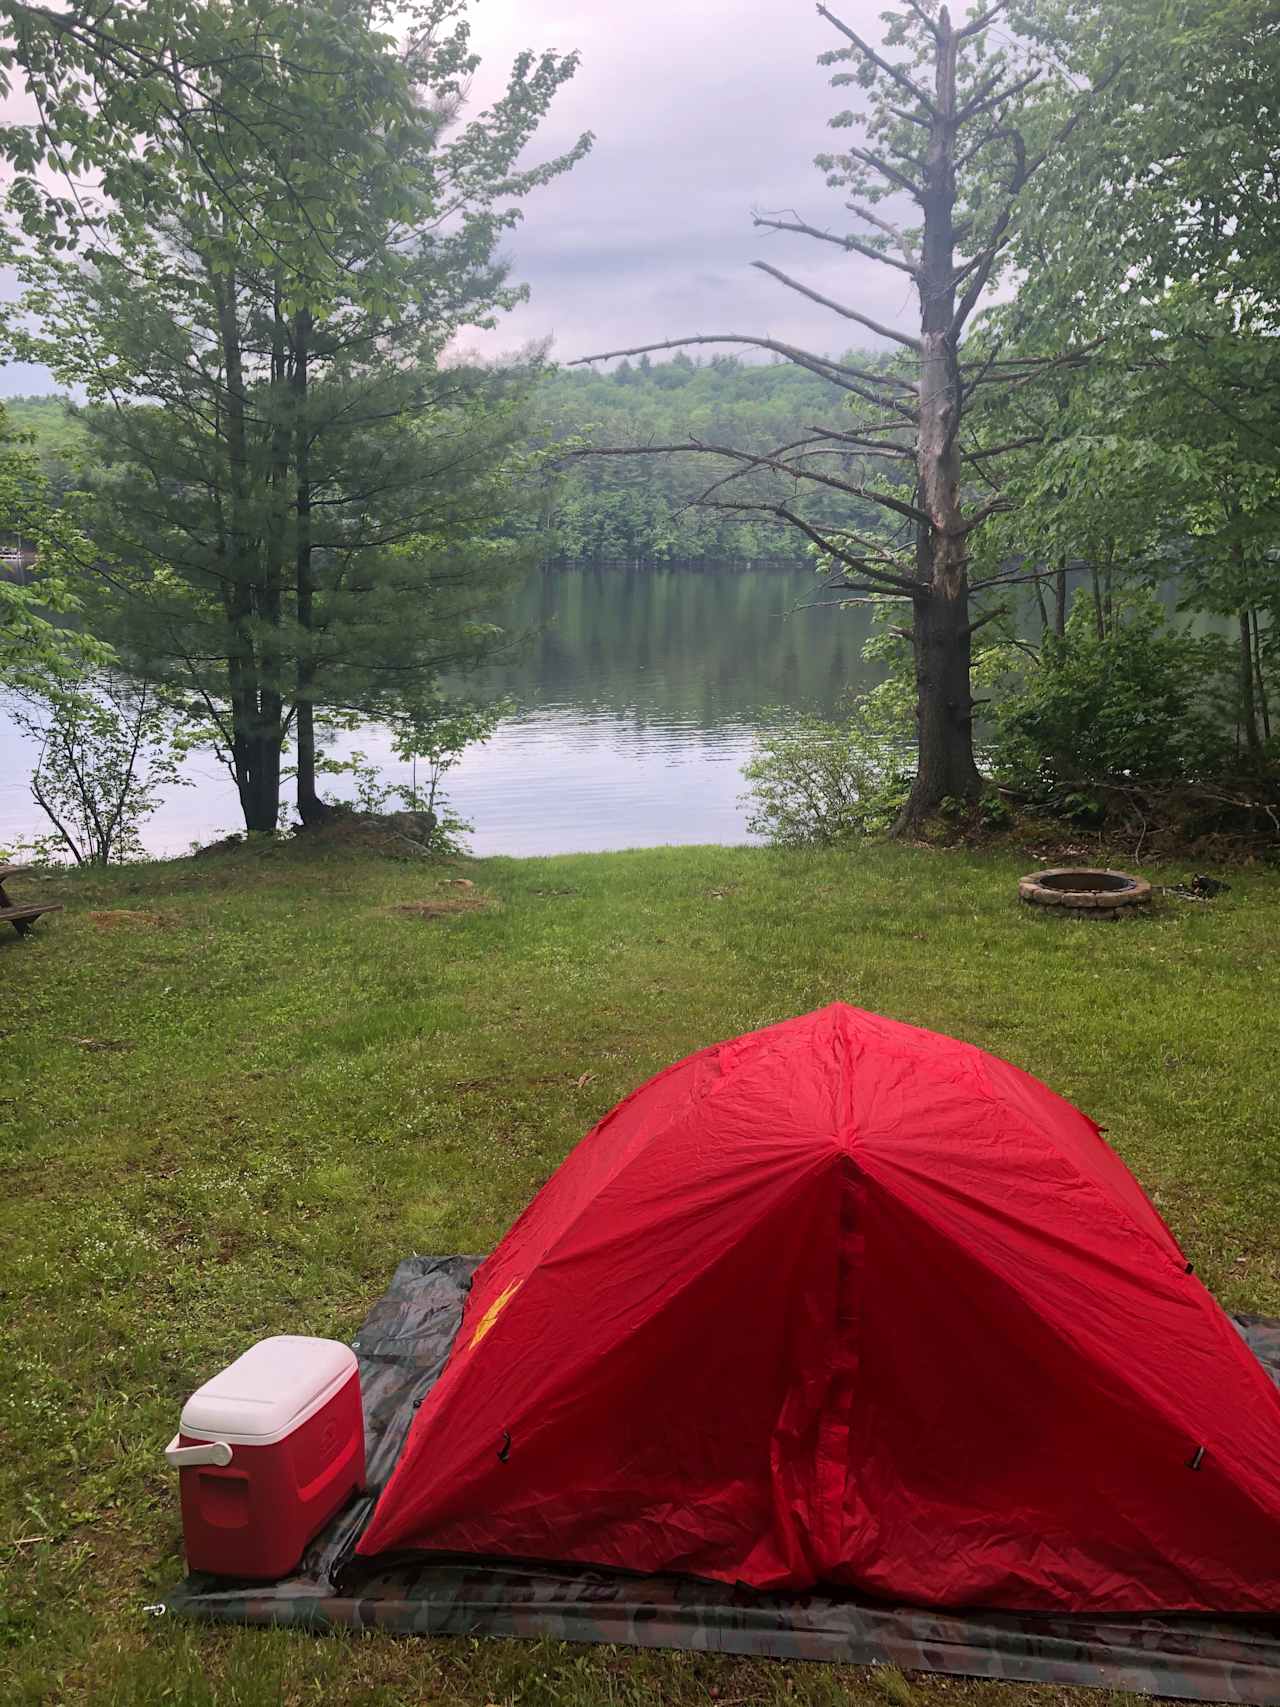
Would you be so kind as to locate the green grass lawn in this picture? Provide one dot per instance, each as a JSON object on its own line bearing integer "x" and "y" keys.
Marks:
{"x": 238, "y": 1088}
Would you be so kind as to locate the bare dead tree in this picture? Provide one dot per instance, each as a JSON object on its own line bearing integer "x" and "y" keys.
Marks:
{"x": 946, "y": 136}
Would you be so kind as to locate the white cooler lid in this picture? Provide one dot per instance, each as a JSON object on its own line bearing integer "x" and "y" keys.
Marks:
{"x": 269, "y": 1391}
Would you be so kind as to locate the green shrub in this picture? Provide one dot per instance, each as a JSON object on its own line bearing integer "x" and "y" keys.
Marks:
{"x": 814, "y": 783}
{"x": 1146, "y": 703}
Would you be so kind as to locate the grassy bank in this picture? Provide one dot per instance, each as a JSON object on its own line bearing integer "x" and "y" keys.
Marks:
{"x": 239, "y": 1088}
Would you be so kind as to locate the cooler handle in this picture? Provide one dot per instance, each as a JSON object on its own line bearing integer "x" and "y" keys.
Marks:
{"x": 184, "y": 1457}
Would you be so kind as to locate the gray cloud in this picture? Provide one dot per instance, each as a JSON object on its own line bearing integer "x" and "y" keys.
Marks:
{"x": 703, "y": 110}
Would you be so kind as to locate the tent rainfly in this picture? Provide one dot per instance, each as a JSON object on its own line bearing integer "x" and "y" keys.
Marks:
{"x": 845, "y": 1302}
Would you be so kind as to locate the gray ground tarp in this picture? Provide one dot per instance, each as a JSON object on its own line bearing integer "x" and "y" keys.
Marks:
{"x": 402, "y": 1347}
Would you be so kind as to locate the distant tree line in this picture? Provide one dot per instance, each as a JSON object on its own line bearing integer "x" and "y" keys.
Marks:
{"x": 596, "y": 510}
{"x": 646, "y": 508}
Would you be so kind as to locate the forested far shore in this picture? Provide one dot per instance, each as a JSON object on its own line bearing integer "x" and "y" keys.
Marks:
{"x": 611, "y": 509}
{"x": 644, "y": 507}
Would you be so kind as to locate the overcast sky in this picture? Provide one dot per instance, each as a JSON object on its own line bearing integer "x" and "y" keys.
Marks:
{"x": 702, "y": 110}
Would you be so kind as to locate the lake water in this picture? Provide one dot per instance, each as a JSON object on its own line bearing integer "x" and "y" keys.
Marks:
{"x": 638, "y": 700}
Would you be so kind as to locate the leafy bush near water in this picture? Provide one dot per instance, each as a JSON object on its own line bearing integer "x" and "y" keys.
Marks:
{"x": 1147, "y": 702}
{"x": 816, "y": 783}
{"x": 1146, "y": 706}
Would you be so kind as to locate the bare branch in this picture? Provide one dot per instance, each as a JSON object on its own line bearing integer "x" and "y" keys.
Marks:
{"x": 930, "y": 24}
{"x": 864, "y": 427}
{"x": 896, "y": 72}
{"x": 974, "y": 25}
{"x": 976, "y": 148}
{"x": 1015, "y": 578}
{"x": 878, "y": 447}
{"x": 1005, "y": 449}
{"x": 988, "y": 83}
{"x": 969, "y": 386}
{"x": 880, "y": 400}
{"x": 983, "y": 262}
{"x": 848, "y": 242}
{"x": 1069, "y": 358}
{"x": 981, "y": 270}
{"x": 989, "y": 616}
{"x": 986, "y": 103}
{"x": 868, "y": 596}
{"x": 904, "y": 243}
{"x": 701, "y": 500}
{"x": 1013, "y": 376}
{"x": 875, "y": 552}
{"x": 891, "y": 173}
{"x": 903, "y": 338}
{"x": 886, "y": 500}
{"x": 997, "y": 506}
{"x": 1065, "y": 129}
{"x": 802, "y": 358}
{"x": 898, "y": 583}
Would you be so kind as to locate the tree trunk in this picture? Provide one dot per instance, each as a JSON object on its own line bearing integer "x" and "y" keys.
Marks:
{"x": 311, "y": 809}
{"x": 1261, "y": 684}
{"x": 257, "y": 766}
{"x": 1060, "y": 603}
{"x": 255, "y": 744}
{"x": 1099, "y": 612}
{"x": 269, "y": 731}
{"x": 1248, "y": 704}
{"x": 1038, "y": 588}
{"x": 944, "y": 716}
{"x": 941, "y": 631}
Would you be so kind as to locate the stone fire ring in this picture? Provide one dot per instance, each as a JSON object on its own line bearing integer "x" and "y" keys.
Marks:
{"x": 1082, "y": 888}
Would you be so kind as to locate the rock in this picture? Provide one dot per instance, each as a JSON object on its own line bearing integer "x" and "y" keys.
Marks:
{"x": 417, "y": 826}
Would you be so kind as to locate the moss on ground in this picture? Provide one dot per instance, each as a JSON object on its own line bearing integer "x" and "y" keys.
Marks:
{"x": 238, "y": 1088}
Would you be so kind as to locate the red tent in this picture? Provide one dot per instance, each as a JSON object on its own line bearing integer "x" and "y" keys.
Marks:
{"x": 845, "y": 1301}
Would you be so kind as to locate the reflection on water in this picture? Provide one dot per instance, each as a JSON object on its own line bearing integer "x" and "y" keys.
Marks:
{"x": 638, "y": 696}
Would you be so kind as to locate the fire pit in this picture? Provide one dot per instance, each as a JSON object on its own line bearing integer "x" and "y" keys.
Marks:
{"x": 1084, "y": 888}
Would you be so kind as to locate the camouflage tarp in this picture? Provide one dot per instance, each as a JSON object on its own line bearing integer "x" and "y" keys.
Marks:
{"x": 402, "y": 1347}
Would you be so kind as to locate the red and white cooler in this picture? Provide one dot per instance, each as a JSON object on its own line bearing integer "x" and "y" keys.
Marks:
{"x": 267, "y": 1452}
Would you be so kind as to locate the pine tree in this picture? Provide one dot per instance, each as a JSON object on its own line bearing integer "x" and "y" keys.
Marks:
{"x": 298, "y": 490}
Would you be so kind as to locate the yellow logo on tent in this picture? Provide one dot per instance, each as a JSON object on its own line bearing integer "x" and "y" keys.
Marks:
{"x": 491, "y": 1315}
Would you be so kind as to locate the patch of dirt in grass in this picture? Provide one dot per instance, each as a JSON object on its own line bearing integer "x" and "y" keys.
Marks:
{"x": 440, "y": 907}
{"x": 467, "y": 1086}
{"x": 122, "y": 917}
